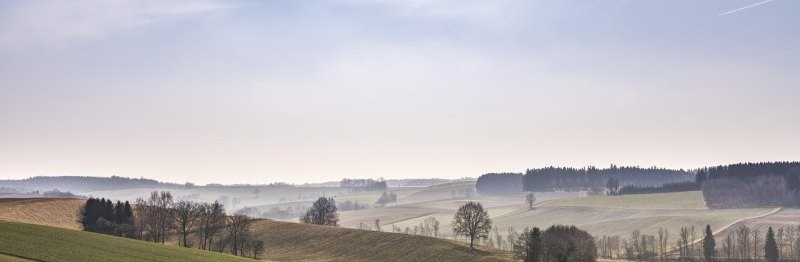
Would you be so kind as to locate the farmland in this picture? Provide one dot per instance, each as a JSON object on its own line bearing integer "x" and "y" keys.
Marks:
{"x": 287, "y": 241}
{"x": 45, "y": 211}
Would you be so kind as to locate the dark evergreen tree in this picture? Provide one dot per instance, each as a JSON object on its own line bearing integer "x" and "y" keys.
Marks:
{"x": 771, "y": 247}
{"x": 708, "y": 244}
{"x": 528, "y": 247}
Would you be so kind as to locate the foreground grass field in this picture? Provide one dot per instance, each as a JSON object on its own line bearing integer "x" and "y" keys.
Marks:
{"x": 285, "y": 241}
{"x": 42, "y": 243}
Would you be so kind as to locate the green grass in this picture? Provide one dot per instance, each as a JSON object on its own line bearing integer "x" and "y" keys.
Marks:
{"x": 45, "y": 243}
{"x": 7, "y": 258}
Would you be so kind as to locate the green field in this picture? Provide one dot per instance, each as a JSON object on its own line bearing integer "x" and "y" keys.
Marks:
{"x": 43, "y": 243}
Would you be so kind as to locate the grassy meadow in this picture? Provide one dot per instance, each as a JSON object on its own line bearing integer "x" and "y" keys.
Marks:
{"x": 43, "y": 243}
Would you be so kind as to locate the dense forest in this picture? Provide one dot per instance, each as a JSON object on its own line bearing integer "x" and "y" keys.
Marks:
{"x": 549, "y": 178}
{"x": 559, "y": 178}
{"x": 499, "y": 183}
{"x": 751, "y": 184}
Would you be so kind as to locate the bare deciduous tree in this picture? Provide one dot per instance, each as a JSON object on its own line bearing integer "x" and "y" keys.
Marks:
{"x": 212, "y": 219}
{"x": 472, "y": 221}
{"x": 155, "y": 215}
{"x": 322, "y": 212}
{"x": 530, "y": 198}
{"x": 186, "y": 219}
{"x": 238, "y": 227}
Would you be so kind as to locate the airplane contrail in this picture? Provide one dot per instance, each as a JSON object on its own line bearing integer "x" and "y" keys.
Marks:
{"x": 746, "y": 7}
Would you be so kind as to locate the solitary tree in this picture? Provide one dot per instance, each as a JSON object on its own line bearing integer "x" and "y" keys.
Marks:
{"x": 530, "y": 198}
{"x": 256, "y": 192}
{"x": 709, "y": 244}
{"x": 528, "y": 247}
{"x": 472, "y": 221}
{"x": 771, "y": 247}
{"x": 322, "y": 212}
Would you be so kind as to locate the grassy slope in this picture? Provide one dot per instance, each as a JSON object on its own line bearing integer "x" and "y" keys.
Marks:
{"x": 42, "y": 211}
{"x": 57, "y": 244}
{"x": 286, "y": 241}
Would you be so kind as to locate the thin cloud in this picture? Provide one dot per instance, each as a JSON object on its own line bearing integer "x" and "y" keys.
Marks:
{"x": 57, "y": 22}
{"x": 746, "y": 7}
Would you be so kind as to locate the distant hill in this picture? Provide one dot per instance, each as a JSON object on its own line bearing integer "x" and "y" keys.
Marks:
{"x": 44, "y": 243}
{"x": 81, "y": 184}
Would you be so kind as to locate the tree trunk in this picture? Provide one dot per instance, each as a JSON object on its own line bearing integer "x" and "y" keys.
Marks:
{"x": 471, "y": 240}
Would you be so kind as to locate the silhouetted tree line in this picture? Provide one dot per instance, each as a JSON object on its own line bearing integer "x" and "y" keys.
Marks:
{"x": 549, "y": 178}
{"x": 364, "y": 184}
{"x": 105, "y": 217}
{"x": 751, "y": 184}
{"x": 564, "y": 178}
{"x": 499, "y": 183}
{"x": 158, "y": 218}
{"x": 664, "y": 188}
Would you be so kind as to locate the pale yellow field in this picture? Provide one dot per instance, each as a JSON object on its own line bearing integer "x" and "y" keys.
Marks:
{"x": 42, "y": 211}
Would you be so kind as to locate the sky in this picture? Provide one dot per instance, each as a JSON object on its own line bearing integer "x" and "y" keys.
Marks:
{"x": 308, "y": 91}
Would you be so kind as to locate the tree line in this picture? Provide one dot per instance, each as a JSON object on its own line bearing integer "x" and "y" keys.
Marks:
{"x": 664, "y": 188}
{"x": 364, "y": 184}
{"x": 751, "y": 184}
{"x": 565, "y": 178}
{"x": 159, "y": 218}
{"x": 105, "y": 217}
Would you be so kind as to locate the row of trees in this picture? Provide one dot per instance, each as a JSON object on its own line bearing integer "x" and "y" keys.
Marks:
{"x": 742, "y": 243}
{"x": 105, "y": 217}
{"x": 364, "y": 184}
{"x": 689, "y": 185}
{"x": 158, "y": 218}
{"x": 566, "y": 178}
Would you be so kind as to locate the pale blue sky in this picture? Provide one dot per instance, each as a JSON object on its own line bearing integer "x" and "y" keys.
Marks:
{"x": 262, "y": 91}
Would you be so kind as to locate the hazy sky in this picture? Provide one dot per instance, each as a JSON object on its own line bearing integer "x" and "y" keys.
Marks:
{"x": 296, "y": 91}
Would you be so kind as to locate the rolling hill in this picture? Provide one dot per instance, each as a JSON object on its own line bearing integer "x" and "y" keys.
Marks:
{"x": 283, "y": 241}
{"x": 19, "y": 241}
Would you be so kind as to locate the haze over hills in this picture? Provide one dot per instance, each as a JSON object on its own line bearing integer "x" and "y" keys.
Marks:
{"x": 400, "y": 130}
